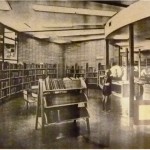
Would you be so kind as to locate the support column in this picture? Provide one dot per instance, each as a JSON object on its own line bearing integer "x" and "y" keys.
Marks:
{"x": 107, "y": 53}
{"x": 131, "y": 66}
{"x": 127, "y": 58}
{"x": 63, "y": 71}
{"x": 119, "y": 56}
{"x": 139, "y": 63}
{"x": 127, "y": 67}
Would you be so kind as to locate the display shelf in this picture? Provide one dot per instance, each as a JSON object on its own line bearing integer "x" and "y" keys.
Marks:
{"x": 121, "y": 88}
{"x": 61, "y": 105}
{"x": 67, "y": 114}
{"x": 92, "y": 78}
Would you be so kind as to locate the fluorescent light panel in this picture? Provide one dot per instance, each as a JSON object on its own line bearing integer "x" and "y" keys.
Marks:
{"x": 97, "y": 37}
{"x": 78, "y": 39}
{"x": 72, "y": 25}
{"x": 79, "y": 11}
{"x": 67, "y": 33}
{"x": 120, "y": 37}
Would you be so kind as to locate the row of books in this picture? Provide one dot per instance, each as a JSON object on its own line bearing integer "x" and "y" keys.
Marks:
{"x": 75, "y": 67}
{"x": 52, "y": 75}
{"x": 51, "y": 71}
{"x": 91, "y": 75}
{"x": 4, "y": 84}
{"x": 40, "y": 71}
{"x": 4, "y": 93}
{"x": 54, "y": 84}
{"x": 15, "y": 89}
{"x": 34, "y": 66}
{"x": 7, "y": 65}
{"x": 16, "y": 74}
{"x": 26, "y": 73}
{"x": 4, "y": 74}
{"x": 16, "y": 81}
{"x": 68, "y": 71}
{"x": 27, "y": 86}
{"x": 28, "y": 79}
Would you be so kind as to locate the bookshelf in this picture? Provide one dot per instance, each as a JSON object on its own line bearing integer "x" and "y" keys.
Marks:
{"x": 75, "y": 71}
{"x": 92, "y": 76}
{"x": 5, "y": 81}
{"x": 16, "y": 77}
{"x": 61, "y": 101}
{"x": 52, "y": 70}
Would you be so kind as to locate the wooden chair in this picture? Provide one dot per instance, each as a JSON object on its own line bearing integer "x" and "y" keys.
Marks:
{"x": 29, "y": 98}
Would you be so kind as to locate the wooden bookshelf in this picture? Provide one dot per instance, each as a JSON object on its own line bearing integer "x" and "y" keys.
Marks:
{"x": 92, "y": 76}
{"x": 74, "y": 71}
{"x": 16, "y": 77}
{"x": 62, "y": 104}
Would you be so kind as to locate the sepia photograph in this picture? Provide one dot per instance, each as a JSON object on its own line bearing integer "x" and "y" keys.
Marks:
{"x": 75, "y": 74}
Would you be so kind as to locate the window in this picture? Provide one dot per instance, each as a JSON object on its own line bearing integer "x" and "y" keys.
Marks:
{"x": 10, "y": 45}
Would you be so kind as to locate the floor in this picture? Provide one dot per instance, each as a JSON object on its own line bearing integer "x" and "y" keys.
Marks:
{"x": 108, "y": 130}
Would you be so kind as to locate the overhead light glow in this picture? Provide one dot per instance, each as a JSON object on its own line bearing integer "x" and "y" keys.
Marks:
{"x": 79, "y": 11}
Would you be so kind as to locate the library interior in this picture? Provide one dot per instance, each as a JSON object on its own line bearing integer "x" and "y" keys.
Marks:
{"x": 74, "y": 74}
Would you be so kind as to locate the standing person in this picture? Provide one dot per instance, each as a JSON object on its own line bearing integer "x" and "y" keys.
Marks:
{"x": 106, "y": 90}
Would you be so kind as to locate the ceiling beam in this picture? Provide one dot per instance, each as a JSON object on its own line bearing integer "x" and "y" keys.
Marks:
{"x": 76, "y": 39}
{"x": 62, "y": 29}
{"x": 67, "y": 33}
{"x": 95, "y": 37}
{"x": 114, "y": 3}
{"x": 79, "y": 11}
{"x": 4, "y": 5}
{"x": 67, "y": 25}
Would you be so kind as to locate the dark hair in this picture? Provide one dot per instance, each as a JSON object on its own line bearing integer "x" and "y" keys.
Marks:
{"x": 136, "y": 74}
{"x": 108, "y": 72}
{"x": 114, "y": 63}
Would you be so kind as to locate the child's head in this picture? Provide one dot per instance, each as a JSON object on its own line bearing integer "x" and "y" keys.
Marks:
{"x": 108, "y": 72}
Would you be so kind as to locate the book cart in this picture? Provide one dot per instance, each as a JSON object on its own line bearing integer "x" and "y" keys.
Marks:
{"x": 61, "y": 102}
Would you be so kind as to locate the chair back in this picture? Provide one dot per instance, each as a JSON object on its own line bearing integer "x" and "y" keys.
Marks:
{"x": 34, "y": 87}
{"x": 25, "y": 94}
{"x": 34, "y": 95}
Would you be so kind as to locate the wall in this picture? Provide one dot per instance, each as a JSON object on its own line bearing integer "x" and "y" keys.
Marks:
{"x": 31, "y": 50}
{"x": 91, "y": 52}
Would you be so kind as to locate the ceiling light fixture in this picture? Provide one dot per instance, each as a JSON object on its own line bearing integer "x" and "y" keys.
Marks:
{"x": 79, "y": 11}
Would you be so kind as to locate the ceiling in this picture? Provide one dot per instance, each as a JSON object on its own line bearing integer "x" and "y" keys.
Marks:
{"x": 141, "y": 36}
{"x": 121, "y": 3}
{"x": 60, "y": 21}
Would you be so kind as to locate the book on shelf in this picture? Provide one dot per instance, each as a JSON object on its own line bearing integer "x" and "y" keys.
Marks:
{"x": 54, "y": 84}
{"x": 61, "y": 84}
{"x": 5, "y": 65}
{"x": 1, "y": 65}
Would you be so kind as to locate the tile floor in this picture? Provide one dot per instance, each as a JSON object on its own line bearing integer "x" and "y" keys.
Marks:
{"x": 108, "y": 130}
